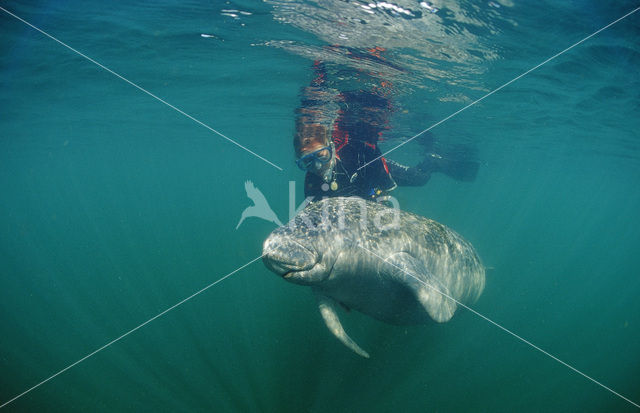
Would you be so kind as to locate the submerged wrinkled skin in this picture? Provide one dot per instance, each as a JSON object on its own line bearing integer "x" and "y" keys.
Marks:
{"x": 400, "y": 269}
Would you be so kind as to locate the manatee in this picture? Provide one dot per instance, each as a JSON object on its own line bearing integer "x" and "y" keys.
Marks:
{"x": 394, "y": 266}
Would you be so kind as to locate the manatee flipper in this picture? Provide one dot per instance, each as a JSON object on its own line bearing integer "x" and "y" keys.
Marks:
{"x": 430, "y": 292}
{"x": 328, "y": 311}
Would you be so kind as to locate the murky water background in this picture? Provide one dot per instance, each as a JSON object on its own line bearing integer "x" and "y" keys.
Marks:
{"x": 114, "y": 207}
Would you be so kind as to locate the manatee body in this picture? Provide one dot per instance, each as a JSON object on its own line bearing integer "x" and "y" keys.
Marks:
{"x": 394, "y": 266}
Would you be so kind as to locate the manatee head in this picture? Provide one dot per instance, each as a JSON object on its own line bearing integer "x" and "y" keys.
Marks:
{"x": 292, "y": 260}
{"x": 305, "y": 250}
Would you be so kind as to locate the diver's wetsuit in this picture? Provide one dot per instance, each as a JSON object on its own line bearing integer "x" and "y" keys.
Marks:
{"x": 354, "y": 120}
{"x": 362, "y": 118}
{"x": 370, "y": 182}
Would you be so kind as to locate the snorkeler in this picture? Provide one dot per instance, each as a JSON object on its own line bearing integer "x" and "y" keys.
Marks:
{"x": 336, "y": 143}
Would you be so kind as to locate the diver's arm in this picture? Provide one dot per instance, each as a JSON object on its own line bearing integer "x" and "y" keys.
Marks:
{"x": 407, "y": 175}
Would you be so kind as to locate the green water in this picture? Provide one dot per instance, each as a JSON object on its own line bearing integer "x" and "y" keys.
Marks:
{"x": 114, "y": 207}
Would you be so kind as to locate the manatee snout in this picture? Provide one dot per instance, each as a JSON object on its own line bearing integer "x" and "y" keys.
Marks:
{"x": 284, "y": 256}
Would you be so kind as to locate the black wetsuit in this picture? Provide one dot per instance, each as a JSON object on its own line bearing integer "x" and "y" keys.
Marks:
{"x": 354, "y": 120}
{"x": 360, "y": 169}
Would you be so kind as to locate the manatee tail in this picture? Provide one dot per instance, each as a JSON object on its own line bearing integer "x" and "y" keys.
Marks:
{"x": 327, "y": 308}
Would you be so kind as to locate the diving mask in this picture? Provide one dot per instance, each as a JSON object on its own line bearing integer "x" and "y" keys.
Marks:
{"x": 316, "y": 158}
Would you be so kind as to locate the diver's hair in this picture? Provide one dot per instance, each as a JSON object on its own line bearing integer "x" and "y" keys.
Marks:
{"x": 307, "y": 133}
{"x": 319, "y": 108}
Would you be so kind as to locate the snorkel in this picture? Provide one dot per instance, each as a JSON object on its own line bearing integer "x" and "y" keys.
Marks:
{"x": 327, "y": 173}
